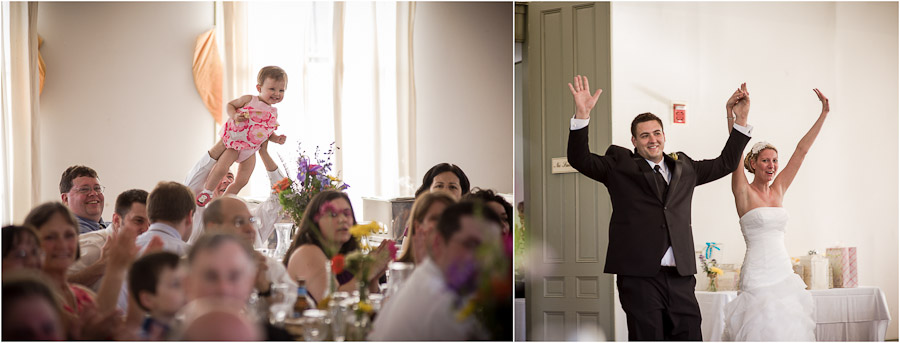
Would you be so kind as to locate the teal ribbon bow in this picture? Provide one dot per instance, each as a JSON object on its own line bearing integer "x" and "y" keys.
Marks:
{"x": 709, "y": 247}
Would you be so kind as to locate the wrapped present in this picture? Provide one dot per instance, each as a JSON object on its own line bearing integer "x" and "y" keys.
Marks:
{"x": 816, "y": 271}
{"x": 843, "y": 266}
{"x": 730, "y": 279}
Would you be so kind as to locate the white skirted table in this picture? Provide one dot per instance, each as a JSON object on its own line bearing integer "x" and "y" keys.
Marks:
{"x": 842, "y": 314}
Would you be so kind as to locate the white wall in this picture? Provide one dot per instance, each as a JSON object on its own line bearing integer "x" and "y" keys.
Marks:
{"x": 464, "y": 90}
{"x": 846, "y": 191}
{"x": 119, "y": 94}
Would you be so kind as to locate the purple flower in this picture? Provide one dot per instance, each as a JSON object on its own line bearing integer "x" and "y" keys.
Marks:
{"x": 314, "y": 169}
{"x": 462, "y": 276}
{"x": 344, "y": 186}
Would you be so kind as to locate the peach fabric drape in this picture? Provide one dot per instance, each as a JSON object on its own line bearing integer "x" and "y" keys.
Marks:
{"x": 42, "y": 68}
{"x": 207, "y": 68}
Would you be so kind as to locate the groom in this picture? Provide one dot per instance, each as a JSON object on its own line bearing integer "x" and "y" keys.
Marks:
{"x": 651, "y": 246}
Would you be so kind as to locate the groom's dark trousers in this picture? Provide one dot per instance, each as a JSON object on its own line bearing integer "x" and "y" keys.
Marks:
{"x": 659, "y": 302}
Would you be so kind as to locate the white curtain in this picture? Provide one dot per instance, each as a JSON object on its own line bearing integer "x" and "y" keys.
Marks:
{"x": 350, "y": 81}
{"x": 20, "y": 94}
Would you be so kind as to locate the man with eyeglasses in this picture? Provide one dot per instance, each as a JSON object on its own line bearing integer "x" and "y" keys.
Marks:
{"x": 267, "y": 212}
{"x": 229, "y": 214}
{"x": 81, "y": 191}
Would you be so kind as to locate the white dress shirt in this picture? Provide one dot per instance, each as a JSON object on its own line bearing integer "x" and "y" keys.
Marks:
{"x": 424, "y": 310}
{"x": 171, "y": 239}
{"x": 669, "y": 257}
{"x": 91, "y": 244}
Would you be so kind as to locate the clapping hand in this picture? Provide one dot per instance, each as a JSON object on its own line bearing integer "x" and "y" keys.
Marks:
{"x": 584, "y": 101}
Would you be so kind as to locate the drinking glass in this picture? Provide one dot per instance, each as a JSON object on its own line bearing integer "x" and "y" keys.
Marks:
{"x": 314, "y": 328}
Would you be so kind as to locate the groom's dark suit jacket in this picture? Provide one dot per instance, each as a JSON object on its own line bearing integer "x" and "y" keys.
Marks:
{"x": 642, "y": 224}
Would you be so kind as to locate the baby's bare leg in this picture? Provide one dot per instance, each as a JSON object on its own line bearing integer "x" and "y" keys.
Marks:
{"x": 245, "y": 169}
{"x": 216, "y": 151}
{"x": 221, "y": 168}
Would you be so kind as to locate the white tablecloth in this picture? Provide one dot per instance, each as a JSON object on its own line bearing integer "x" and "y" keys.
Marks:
{"x": 842, "y": 314}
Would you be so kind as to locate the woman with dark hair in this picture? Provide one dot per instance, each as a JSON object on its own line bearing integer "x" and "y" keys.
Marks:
{"x": 21, "y": 248}
{"x": 445, "y": 177}
{"x": 496, "y": 203}
{"x": 30, "y": 310}
{"x": 325, "y": 232}
{"x": 426, "y": 211}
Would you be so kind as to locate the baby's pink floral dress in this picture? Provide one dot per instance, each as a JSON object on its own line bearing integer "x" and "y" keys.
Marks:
{"x": 248, "y": 135}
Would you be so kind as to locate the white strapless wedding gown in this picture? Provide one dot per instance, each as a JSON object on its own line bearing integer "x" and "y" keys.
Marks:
{"x": 773, "y": 304}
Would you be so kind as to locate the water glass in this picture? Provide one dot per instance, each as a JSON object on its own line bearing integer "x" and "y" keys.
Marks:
{"x": 337, "y": 312}
{"x": 314, "y": 328}
{"x": 399, "y": 272}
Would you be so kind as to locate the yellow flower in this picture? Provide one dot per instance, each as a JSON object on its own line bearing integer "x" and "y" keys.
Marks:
{"x": 365, "y": 307}
{"x": 466, "y": 311}
{"x": 674, "y": 156}
{"x": 716, "y": 270}
{"x": 332, "y": 178}
{"x": 365, "y": 229}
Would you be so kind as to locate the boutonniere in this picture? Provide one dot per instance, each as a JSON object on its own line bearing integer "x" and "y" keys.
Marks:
{"x": 674, "y": 156}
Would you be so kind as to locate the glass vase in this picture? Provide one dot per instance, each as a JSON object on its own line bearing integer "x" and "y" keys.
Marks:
{"x": 713, "y": 285}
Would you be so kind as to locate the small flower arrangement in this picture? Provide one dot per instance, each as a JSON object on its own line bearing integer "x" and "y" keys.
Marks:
{"x": 489, "y": 285}
{"x": 360, "y": 262}
{"x": 674, "y": 155}
{"x": 710, "y": 267}
{"x": 313, "y": 177}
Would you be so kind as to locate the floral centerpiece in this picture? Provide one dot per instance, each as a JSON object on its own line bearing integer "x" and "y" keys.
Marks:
{"x": 313, "y": 177}
{"x": 361, "y": 263}
{"x": 487, "y": 286}
{"x": 710, "y": 267}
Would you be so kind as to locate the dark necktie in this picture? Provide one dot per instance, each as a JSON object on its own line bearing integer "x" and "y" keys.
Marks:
{"x": 661, "y": 184}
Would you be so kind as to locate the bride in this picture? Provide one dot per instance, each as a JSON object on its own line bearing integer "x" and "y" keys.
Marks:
{"x": 773, "y": 304}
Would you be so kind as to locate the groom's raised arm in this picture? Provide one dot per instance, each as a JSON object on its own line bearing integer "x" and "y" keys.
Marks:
{"x": 578, "y": 151}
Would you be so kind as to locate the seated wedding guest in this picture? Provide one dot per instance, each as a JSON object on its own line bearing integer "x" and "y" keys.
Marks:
{"x": 222, "y": 265}
{"x": 21, "y": 248}
{"x": 130, "y": 212}
{"x": 170, "y": 207}
{"x": 325, "y": 232}
{"x": 432, "y": 296}
{"x": 57, "y": 228}
{"x": 426, "y": 211}
{"x": 230, "y": 214}
{"x": 30, "y": 310}
{"x": 155, "y": 283}
{"x": 80, "y": 190}
{"x": 217, "y": 319}
{"x": 267, "y": 212}
{"x": 496, "y": 203}
{"x": 445, "y": 177}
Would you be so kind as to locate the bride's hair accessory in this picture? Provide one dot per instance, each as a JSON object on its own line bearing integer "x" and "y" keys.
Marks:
{"x": 754, "y": 153}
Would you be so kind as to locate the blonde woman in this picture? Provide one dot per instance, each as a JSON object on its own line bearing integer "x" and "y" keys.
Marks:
{"x": 773, "y": 304}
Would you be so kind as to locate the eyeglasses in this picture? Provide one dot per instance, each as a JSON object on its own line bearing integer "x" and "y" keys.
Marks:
{"x": 241, "y": 221}
{"x": 86, "y": 190}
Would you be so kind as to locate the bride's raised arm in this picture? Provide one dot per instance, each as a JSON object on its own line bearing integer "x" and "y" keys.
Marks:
{"x": 738, "y": 178}
{"x": 783, "y": 180}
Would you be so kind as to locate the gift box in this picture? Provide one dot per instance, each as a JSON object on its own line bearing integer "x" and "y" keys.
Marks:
{"x": 731, "y": 278}
{"x": 816, "y": 271}
{"x": 843, "y": 266}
